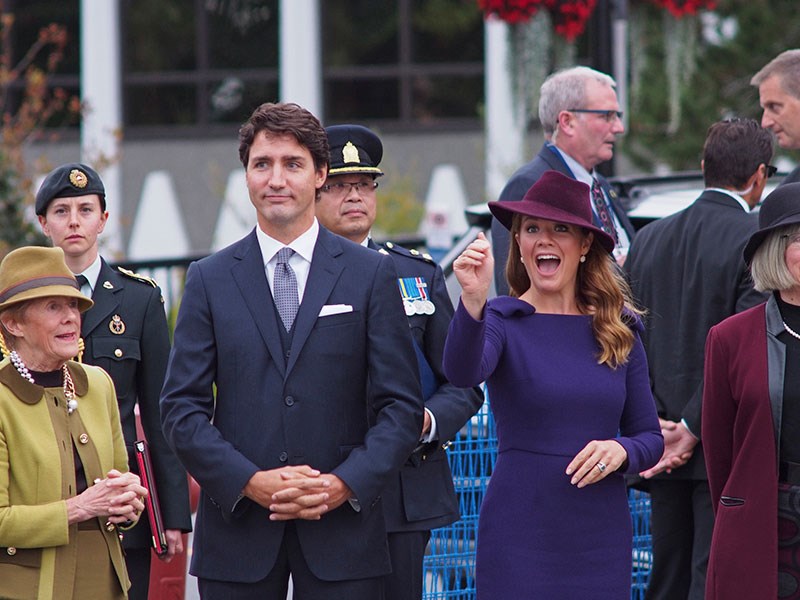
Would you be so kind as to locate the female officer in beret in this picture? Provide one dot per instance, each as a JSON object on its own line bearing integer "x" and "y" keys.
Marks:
{"x": 126, "y": 334}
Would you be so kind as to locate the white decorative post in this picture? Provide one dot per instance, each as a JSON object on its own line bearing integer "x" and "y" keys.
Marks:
{"x": 300, "y": 54}
{"x": 101, "y": 94}
{"x": 505, "y": 117}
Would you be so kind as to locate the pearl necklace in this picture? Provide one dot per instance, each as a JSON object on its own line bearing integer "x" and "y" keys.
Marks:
{"x": 791, "y": 331}
{"x": 69, "y": 386}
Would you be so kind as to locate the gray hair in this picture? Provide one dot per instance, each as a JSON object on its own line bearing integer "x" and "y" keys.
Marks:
{"x": 785, "y": 66}
{"x": 566, "y": 89}
{"x": 768, "y": 266}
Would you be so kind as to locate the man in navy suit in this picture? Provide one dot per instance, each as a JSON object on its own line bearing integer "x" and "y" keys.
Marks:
{"x": 292, "y": 391}
{"x": 421, "y": 496}
{"x": 580, "y": 115}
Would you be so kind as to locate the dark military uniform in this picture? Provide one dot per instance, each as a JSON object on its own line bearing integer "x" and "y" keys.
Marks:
{"x": 423, "y": 497}
{"x": 126, "y": 333}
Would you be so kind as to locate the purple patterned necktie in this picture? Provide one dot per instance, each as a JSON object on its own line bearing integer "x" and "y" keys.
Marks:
{"x": 603, "y": 213}
{"x": 285, "y": 288}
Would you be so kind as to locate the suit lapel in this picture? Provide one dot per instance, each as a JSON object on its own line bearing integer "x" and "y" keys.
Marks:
{"x": 106, "y": 299}
{"x": 324, "y": 273}
{"x": 251, "y": 278}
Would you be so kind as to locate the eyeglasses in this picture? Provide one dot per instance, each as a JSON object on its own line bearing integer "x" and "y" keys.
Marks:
{"x": 771, "y": 170}
{"x": 607, "y": 115}
{"x": 341, "y": 189}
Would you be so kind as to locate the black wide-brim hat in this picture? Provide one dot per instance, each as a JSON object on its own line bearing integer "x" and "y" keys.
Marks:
{"x": 69, "y": 181}
{"x": 354, "y": 149}
{"x": 781, "y": 207}
{"x": 555, "y": 197}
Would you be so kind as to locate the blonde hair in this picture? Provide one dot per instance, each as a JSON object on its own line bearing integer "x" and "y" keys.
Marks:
{"x": 768, "y": 266}
{"x": 601, "y": 291}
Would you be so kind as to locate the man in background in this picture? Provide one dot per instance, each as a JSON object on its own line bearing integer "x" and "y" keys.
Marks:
{"x": 687, "y": 271}
{"x": 779, "y": 94}
{"x": 125, "y": 333}
{"x": 421, "y": 496}
{"x": 580, "y": 115}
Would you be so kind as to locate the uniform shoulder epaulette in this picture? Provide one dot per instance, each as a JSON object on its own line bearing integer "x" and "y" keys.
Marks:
{"x": 138, "y": 276}
{"x": 413, "y": 253}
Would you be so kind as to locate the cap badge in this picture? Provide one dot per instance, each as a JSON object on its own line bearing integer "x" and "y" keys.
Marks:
{"x": 116, "y": 325}
{"x": 350, "y": 153}
{"x": 78, "y": 178}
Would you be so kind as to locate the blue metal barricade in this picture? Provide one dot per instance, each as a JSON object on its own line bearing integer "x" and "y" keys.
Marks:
{"x": 450, "y": 560}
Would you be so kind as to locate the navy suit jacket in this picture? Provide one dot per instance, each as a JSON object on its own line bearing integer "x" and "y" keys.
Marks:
{"x": 518, "y": 185}
{"x": 311, "y": 406}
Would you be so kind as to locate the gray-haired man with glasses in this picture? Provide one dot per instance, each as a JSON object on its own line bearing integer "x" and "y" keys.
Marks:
{"x": 581, "y": 119}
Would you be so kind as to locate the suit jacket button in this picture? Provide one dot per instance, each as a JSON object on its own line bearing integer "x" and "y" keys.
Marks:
{"x": 289, "y": 401}
{"x": 283, "y": 457}
{"x": 11, "y": 551}
{"x": 110, "y": 526}
{"x": 83, "y": 438}
{"x": 118, "y": 353}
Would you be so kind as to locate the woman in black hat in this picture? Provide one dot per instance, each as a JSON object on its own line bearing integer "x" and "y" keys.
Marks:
{"x": 64, "y": 485}
{"x": 569, "y": 388}
{"x": 751, "y": 420}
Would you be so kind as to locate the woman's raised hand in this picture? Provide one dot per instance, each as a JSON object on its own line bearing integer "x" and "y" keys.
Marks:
{"x": 474, "y": 269}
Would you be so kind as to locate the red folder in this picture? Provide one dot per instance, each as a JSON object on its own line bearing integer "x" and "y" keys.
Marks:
{"x": 152, "y": 507}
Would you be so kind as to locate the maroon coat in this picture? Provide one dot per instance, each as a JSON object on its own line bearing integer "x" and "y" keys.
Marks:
{"x": 739, "y": 442}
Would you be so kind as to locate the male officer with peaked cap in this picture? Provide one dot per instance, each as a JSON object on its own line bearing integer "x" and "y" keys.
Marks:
{"x": 125, "y": 333}
{"x": 421, "y": 497}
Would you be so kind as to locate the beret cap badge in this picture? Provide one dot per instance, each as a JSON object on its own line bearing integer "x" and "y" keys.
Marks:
{"x": 78, "y": 178}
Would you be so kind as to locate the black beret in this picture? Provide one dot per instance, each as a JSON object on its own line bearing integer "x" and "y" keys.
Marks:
{"x": 68, "y": 181}
{"x": 354, "y": 149}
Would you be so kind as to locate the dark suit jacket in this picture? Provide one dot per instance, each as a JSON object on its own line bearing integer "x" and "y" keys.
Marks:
{"x": 136, "y": 359}
{"x": 515, "y": 189}
{"x": 687, "y": 271}
{"x": 423, "y": 496}
{"x": 792, "y": 177}
{"x": 311, "y": 406}
{"x": 742, "y": 404}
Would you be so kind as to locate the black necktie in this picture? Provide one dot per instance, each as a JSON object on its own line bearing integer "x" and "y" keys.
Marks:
{"x": 82, "y": 281}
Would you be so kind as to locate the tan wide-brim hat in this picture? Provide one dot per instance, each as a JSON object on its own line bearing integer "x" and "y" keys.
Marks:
{"x": 37, "y": 272}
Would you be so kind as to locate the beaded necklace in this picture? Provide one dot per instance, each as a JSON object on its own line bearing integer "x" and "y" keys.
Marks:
{"x": 69, "y": 386}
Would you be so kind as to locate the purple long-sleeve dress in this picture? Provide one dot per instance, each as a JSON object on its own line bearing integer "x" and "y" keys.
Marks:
{"x": 540, "y": 537}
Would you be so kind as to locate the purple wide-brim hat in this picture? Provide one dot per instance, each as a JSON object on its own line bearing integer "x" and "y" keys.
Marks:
{"x": 555, "y": 197}
{"x": 781, "y": 207}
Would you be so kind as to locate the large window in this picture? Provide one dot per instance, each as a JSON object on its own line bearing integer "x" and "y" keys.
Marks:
{"x": 414, "y": 63}
{"x": 199, "y": 67}
{"x": 197, "y": 64}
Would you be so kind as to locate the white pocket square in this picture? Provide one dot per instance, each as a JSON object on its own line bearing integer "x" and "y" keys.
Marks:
{"x": 335, "y": 309}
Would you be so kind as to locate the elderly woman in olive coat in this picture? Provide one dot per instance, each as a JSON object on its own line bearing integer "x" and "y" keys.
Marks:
{"x": 64, "y": 481}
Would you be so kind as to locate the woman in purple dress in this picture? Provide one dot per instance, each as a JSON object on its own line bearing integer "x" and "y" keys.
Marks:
{"x": 568, "y": 381}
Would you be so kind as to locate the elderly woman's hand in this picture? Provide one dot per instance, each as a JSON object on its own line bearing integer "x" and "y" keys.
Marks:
{"x": 119, "y": 498}
{"x": 474, "y": 269}
{"x": 598, "y": 459}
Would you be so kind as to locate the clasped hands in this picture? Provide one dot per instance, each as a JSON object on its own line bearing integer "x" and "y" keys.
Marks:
{"x": 119, "y": 498}
{"x": 297, "y": 492}
{"x": 679, "y": 445}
